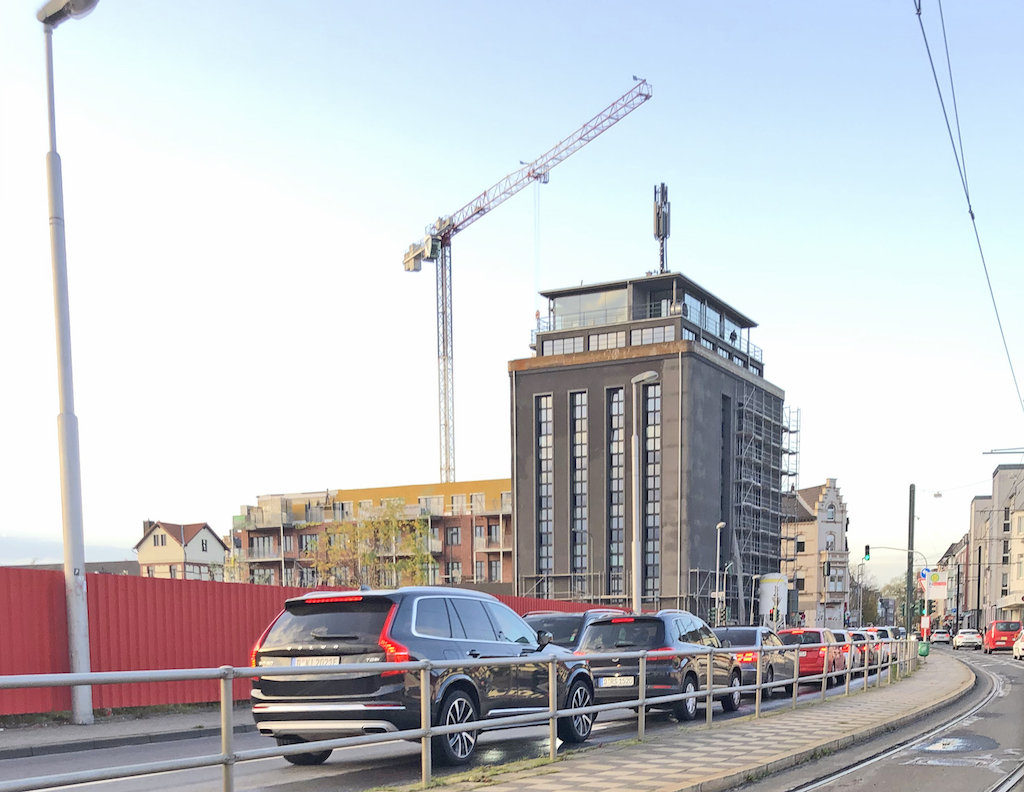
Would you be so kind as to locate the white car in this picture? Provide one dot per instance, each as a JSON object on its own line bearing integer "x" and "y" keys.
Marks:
{"x": 1018, "y": 646}
{"x": 940, "y": 636}
{"x": 967, "y": 639}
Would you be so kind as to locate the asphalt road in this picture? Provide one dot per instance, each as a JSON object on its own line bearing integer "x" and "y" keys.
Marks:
{"x": 973, "y": 755}
{"x": 348, "y": 769}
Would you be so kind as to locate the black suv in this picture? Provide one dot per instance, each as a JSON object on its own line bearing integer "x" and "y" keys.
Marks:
{"x": 567, "y": 628}
{"x": 618, "y": 680}
{"x": 407, "y": 624}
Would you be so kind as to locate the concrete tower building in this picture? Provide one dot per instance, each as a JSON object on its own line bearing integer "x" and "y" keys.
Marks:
{"x": 711, "y": 448}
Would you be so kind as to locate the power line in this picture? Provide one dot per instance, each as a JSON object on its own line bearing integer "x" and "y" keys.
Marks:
{"x": 962, "y": 170}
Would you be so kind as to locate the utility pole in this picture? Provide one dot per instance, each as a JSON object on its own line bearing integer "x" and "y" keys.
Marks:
{"x": 910, "y": 558}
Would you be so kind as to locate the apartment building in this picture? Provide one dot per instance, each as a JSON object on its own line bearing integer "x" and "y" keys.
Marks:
{"x": 664, "y": 355}
{"x": 995, "y": 550}
{"x": 816, "y": 557}
{"x": 469, "y": 522}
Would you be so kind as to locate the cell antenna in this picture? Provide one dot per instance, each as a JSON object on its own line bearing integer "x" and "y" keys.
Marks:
{"x": 662, "y": 226}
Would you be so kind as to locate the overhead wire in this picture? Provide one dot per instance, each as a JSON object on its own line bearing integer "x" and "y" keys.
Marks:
{"x": 962, "y": 171}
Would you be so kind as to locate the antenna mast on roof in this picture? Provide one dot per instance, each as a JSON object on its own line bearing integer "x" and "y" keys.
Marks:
{"x": 661, "y": 222}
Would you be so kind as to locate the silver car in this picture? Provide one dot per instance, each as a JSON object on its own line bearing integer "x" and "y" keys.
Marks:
{"x": 776, "y": 665}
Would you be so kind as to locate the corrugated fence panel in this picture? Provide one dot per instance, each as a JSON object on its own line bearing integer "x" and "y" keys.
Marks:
{"x": 141, "y": 623}
{"x": 33, "y": 637}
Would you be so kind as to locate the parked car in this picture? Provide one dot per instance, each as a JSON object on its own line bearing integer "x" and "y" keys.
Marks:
{"x": 883, "y": 637}
{"x": 746, "y": 642}
{"x": 941, "y": 636}
{"x": 851, "y": 655}
{"x": 864, "y": 648}
{"x": 567, "y": 628}
{"x": 827, "y": 658}
{"x": 1000, "y": 635}
{"x": 619, "y": 679}
{"x": 967, "y": 639}
{"x": 406, "y": 624}
{"x": 1018, "y": 646}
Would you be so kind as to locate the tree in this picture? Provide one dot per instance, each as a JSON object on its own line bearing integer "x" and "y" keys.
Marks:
{"x": 383, "y": 548}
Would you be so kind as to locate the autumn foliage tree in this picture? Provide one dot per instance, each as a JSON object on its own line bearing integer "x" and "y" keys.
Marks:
{"x": 382, "y": 548}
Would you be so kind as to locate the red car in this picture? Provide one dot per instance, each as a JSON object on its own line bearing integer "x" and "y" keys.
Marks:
{"x": 828, "y": 657}
{"x": 1000, "y": 635}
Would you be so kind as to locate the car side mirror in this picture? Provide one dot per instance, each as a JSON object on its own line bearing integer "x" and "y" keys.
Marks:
{"x": 726, "y": 643}
{"x": 543, "y": 638}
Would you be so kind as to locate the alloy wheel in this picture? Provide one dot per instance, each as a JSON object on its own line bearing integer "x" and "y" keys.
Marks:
{"x": 462, "y": 743}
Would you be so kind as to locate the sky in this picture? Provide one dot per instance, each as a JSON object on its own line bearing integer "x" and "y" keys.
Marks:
{"x": 241, "y": 181}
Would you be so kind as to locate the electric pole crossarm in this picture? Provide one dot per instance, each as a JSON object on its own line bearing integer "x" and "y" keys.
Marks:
{"x": 539, "y": 168}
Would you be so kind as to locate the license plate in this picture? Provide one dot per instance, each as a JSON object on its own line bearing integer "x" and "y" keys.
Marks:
{"x": 803, "y": 654}
{"x": 324, "y": 660}
{"x": 619, "y": 681}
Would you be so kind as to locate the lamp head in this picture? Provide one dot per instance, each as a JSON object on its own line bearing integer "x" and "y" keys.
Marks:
{"x": 720, "y": 526}
{"x": 645, "y": 377}
{"x": 56, "y": 11}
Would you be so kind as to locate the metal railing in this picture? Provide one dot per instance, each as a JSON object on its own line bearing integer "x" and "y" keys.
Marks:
{"x": 900, "y": 657}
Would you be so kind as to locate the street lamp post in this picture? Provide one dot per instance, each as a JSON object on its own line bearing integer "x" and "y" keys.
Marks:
{"x": 640, "y": 379}
{"x": 718, "y": 570}
{"x": 51, "y": 15}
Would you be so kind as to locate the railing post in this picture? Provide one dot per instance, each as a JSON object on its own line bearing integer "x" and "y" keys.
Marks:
{"x": 426, "y": 699}
{"x": 553, "y": 707}
{"x": 227, "y": 727}
{"x": 899, "y": 658}
{"x": 641, "y": 713}
{"x": 849, "y": 668}
{"x": 824, "y": 672}
{"x": 757, "y": 681}
{"x": 888, "y": 676}
{"x": 711, "y": 684}
{"x": 796, "y": 674}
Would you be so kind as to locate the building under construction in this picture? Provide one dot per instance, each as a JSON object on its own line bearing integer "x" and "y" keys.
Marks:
{"x": 669, "y": 355}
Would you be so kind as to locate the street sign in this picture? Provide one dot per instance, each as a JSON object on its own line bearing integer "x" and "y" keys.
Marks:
{"x": 924, "y": 573}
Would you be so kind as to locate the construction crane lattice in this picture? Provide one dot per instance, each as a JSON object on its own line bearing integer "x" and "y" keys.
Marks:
{"x": 436, "y": 246}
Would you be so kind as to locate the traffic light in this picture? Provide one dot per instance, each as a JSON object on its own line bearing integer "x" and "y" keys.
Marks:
{"x": 826, "y": 568}
{"x": 867, "y": 552}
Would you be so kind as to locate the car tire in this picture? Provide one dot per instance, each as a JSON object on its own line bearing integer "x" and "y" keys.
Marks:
{"x": 686, "y": 710}
{"x": 576, "y": 728}
{"x": 456, "y": 748}
{"x": 771, "y": 679}
{"x": 732, "y": 702}
{"x": 305, "y": 759}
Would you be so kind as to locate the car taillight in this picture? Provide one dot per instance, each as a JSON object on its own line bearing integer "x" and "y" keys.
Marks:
{"x": 822, "y": 650}
{"x": 394, "y": 652}
{"x": 746, "y": 657}
{"x": 622, "y": 621}
{"x": 259, "y": 644}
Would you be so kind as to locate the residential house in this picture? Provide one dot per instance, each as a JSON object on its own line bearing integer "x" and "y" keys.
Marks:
{"x": 188, "y": 552}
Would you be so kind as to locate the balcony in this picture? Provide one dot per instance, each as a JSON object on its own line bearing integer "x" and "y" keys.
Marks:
{"x": 481, "y": 544}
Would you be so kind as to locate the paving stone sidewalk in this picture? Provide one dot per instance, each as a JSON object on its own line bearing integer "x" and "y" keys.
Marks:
{"x": 730, "y": 753}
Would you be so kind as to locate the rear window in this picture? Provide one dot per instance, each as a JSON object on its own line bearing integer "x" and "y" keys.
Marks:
{"x": 808, "y": 637}
{"x": 737, "y": 637}
{"x": 631, "y": 635}
{"x": 1007, "y": 626}
{"x": 564, "y": 628}
{"x": 355, "y": 623}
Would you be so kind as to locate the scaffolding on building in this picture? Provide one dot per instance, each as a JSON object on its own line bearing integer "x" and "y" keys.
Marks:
{"x": 760, "y": 438}
{"x": 790, "y": 483}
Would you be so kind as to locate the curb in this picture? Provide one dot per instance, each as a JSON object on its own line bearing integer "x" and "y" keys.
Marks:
{"x": 117, "y": 742}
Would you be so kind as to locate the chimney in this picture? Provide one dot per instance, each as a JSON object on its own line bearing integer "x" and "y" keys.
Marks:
{"x": 146, "y": 525}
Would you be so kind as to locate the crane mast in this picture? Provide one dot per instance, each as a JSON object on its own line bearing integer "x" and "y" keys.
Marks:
{"x": 436, "y": 246}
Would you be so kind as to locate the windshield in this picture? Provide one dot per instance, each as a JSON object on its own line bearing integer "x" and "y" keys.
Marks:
{"x": 736, "y": 637}
{"x": 564, "y": 628}
{"x": 357, "y": 624}
{"x": 806, "y": 637}
{"x": 633, "y": 634}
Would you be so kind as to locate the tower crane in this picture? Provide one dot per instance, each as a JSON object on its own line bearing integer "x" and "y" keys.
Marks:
{"x": 437, "y": 246}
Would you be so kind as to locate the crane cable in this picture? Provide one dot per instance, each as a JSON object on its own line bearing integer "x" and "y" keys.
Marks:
{"x": 962, "y": 170}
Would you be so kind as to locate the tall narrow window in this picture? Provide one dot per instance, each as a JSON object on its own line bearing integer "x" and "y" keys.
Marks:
{"x": 652, "y": 490}
{"x": 616, "y": 491}
{"x": 579, "y": 539}
{"x": 545, "y": 493}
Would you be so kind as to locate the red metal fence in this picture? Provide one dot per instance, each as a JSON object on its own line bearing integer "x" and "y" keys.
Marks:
{"x": 140, "y": 623}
